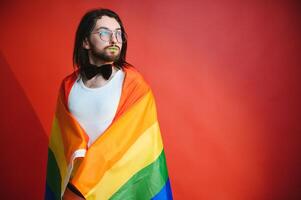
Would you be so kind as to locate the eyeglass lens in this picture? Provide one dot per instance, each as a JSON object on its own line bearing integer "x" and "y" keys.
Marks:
{"x": 106, "y": 35}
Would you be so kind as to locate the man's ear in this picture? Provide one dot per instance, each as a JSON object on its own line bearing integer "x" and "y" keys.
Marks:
{"x": 86, "y": 44}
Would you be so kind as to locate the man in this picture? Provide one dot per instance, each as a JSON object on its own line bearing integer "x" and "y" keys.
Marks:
{"x": 105, "y": 141}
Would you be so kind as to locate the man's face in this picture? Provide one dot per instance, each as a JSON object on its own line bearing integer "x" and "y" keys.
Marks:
{"x": 104, "y": 42}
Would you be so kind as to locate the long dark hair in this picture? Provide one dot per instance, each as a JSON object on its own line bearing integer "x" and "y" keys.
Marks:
{"x": 85, "y": 27}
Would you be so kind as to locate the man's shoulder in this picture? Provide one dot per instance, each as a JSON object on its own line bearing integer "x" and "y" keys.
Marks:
{"x": 68, "y": 82}
{"x": 134, "y": 81}
{"x": 71, "y": 77}
{"x": 133, "y": 74}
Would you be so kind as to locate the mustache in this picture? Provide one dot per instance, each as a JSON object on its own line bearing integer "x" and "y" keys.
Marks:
{"x": 113, "y": 46}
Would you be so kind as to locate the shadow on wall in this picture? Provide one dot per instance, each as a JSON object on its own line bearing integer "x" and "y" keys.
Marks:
{"x": 23, "y": 141}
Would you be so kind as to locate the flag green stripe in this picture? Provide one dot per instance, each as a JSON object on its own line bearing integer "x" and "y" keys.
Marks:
{"x": 53, "y": 175}
{"x": 146, "y": 183}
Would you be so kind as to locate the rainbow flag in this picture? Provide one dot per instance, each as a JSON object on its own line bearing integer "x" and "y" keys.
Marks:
{"x": 126, "y": 162}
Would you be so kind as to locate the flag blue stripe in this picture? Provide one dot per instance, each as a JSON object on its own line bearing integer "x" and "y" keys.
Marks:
{"x": 165, "y": 192}
{"x": 49, "y": 195}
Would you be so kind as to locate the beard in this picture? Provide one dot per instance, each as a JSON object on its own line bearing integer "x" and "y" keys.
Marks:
{"x": 104, "y": 55}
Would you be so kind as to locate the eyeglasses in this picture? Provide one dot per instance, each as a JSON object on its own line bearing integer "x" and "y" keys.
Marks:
{"x": 106, "y": 35}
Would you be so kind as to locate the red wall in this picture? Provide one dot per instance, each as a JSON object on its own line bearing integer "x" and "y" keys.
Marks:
{"x": 226, "y": 76}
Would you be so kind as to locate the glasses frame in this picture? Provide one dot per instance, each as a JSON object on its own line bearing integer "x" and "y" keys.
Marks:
{"x": 123, "y": 36}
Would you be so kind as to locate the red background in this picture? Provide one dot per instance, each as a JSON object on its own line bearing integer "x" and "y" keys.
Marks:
{"x": 226, "y": 76}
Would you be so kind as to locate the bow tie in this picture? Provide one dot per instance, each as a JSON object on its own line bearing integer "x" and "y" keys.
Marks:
{"x": 104, "y": 70}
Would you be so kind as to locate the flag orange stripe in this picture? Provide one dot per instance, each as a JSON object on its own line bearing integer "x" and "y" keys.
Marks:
{"x": 112, "y": 145}
{"x": 133, "y": 89}
{"x": 73, "y": 135}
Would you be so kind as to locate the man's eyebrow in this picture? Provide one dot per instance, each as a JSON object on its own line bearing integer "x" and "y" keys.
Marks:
{"x": 102, "y": 27}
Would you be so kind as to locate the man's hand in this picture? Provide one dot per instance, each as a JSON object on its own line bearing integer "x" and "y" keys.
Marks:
{"x": 69, "y": 195}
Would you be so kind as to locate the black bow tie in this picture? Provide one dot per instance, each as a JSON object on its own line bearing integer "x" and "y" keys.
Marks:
{"x": 104, "y": 70}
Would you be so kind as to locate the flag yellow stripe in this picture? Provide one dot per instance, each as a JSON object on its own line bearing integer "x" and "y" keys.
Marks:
{"x": 142, "y": 153}
{"x": 57, "y": 147}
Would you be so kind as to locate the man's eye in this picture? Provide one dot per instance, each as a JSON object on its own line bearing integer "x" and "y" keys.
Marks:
{"x": 104, "y": 33}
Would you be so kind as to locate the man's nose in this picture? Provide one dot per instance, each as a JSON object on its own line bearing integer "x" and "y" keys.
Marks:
{"x": 113, "y": 39}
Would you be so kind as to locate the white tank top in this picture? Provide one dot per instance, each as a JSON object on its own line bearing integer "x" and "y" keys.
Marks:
{"x": 95, "y": 108}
